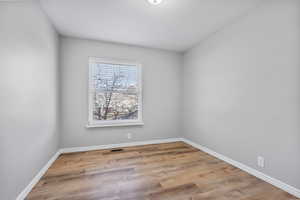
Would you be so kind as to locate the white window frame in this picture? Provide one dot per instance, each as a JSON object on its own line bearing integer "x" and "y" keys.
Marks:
{"x": 110, "y": 123}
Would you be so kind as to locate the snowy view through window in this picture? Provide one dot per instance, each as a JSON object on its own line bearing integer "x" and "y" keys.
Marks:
{"x": 115, "y": 91}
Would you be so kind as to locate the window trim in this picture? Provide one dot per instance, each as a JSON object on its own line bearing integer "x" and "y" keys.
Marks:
{"x": 111, "y": 123}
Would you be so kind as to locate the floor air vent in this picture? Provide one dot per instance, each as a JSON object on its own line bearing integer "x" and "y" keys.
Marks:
{"x": 116, "y": 150}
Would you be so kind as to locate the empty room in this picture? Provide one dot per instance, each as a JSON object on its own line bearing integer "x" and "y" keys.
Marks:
{"x": 150, "y": 99}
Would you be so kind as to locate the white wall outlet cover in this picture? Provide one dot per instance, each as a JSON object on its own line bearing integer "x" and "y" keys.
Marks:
{"x": 129, "y": 135}
{"x": 261, "y": 161}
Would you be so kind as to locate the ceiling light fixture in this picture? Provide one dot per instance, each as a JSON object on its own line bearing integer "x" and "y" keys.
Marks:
{"x": 154, "y": 2}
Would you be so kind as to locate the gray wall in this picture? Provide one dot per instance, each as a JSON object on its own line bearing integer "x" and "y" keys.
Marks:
{"x": 161, "y": 94}
{"x": 28, "y": 93}
{"x": 242, "y": 90}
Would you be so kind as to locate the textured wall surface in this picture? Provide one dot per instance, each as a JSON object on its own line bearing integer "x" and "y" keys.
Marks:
{"x": 28, "y": 93}
{"x": 161, "y": 93}
{"x": 242, "y": 90}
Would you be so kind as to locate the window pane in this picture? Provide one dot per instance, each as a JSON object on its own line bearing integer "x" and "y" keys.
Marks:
{"x": 115, "y": 106}
{"x": 116, "y": 92}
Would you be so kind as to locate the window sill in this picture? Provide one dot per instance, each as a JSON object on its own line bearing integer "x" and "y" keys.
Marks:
{"x": 114, "y": 125}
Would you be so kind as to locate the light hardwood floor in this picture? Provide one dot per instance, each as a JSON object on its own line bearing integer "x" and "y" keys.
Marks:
{"x": 172, "y": 171}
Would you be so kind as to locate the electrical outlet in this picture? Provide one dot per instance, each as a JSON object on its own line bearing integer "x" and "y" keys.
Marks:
{"x": 261, "y": 161}
{"x": 129, "y": 136}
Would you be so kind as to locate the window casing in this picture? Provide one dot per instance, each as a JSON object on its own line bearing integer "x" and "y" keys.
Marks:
{"x": 115, "y": 93}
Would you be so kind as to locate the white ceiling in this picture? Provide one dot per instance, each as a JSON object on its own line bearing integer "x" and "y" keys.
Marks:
{"x": 173, "y": 25}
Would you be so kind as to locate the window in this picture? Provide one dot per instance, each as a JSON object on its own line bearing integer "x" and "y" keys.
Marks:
{"x": 115, "y": 93}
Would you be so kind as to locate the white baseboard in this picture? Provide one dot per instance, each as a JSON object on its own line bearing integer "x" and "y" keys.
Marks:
{"x": 110, "y": 146}
{"x": 36, "y": 179}
{"x": 290, "y": 189}
{"x": 277, "y": 183}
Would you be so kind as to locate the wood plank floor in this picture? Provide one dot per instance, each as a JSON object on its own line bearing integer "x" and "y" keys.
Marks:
{"x": 172, "y": 171}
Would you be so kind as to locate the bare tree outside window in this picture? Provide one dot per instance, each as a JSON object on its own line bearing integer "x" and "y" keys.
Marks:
{"x": 115, "y": 93}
